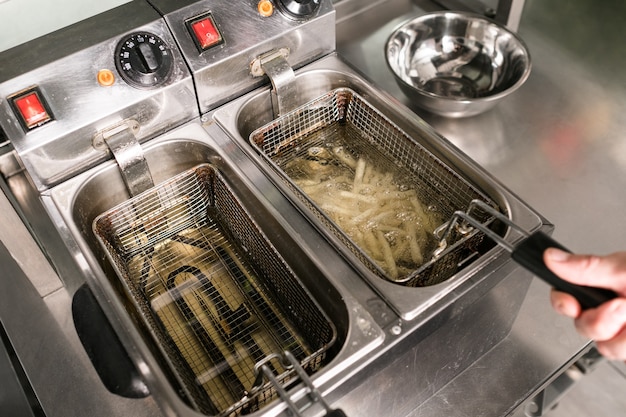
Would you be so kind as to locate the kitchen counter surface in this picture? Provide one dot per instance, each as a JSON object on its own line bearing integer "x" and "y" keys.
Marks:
{"x": 558, "y": 143}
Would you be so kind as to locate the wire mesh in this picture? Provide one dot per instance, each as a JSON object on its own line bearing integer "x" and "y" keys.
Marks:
{"x": 371, "y": 185}
{"x": 213, "y": 290}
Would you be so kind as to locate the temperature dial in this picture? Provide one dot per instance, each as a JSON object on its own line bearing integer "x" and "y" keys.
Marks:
{"x": 299, "y": 8}
{"x": 143, "y": 60}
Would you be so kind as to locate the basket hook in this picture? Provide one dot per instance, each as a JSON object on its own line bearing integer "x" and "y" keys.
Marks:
{"x": 284, "y": 89}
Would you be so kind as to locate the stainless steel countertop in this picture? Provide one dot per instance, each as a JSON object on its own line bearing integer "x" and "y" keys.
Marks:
{"x": 556, "y": 143}
{"x": 559, "y": 144}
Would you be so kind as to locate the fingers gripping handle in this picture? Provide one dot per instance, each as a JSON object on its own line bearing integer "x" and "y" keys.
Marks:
{"x": 529, "y": 254}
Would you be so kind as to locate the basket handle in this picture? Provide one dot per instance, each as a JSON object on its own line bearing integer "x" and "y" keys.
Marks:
{"x": 529, "y": 254}
{"x": 315, "y": 395}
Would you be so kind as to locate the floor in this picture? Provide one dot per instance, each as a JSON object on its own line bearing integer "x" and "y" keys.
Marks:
{"x": 592, "y": 32}
{"x": 598, "y": 394}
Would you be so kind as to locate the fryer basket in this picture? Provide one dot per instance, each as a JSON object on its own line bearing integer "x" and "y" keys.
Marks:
{"x": 342, "y": 130}
{"x": 213, "y": 291}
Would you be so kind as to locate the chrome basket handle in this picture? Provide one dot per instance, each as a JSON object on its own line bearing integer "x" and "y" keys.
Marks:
{"x": 290, "y": 361}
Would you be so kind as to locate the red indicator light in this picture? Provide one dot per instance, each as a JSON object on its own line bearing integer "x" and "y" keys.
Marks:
{"x": 205, "y": 32}
{"x": 31, "y": 108}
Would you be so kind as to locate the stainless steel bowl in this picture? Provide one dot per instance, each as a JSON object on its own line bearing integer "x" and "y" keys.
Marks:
{"x": 456, "y": 64}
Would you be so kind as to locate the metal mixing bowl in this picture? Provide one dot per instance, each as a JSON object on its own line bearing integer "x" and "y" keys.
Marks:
{"x": 456, "y": 64}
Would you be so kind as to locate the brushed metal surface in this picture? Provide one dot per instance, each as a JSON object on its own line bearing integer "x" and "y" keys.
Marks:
{"x": 242, "y": 116}
{"x": 557, "y": 151}
{"x": 38, "y": 320}
{"x": 73, "y": 206}
{"x": 82, "y": 108}
{"x": 222, "y": 73}
{"x": 129, "y": 157}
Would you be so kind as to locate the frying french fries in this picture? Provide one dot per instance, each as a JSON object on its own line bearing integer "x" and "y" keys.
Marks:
{"x": 380, "y": 215}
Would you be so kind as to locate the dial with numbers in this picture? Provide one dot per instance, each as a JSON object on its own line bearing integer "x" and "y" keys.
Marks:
{"x": 300, "y": 9}
{"x": 144, "y": 60}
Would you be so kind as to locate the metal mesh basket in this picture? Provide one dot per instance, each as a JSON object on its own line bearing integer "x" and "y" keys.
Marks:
{"x": 212, "y": 289}
{"x": 372, "y": 186}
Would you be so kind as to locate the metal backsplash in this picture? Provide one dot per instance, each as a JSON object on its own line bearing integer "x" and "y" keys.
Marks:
{"x": 507, "y": 12}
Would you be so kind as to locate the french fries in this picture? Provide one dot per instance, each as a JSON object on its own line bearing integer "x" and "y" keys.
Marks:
{"x": 388, "y": 222}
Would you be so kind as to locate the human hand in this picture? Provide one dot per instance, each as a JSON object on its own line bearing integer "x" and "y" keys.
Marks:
{"x": 605, "y": 324}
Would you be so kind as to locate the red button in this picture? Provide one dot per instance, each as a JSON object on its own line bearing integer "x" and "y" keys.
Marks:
{"x": 205, "y": 32}
{"x": 31, "y": 109}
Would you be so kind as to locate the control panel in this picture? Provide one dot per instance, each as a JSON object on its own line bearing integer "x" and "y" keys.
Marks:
{"x": 147, "y": 66}
{"x": 220, "y": 39}
{"x": 54, "y": 114}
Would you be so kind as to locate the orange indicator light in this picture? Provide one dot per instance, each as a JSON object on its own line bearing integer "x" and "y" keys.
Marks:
{"x": 105, "y": 77}
{"x": 266, "y": 8}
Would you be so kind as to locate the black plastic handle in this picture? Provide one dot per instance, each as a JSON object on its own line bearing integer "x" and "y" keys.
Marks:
{"x": 116, "y": 370}
{"x": 335, "y": 413}
{"x": 529, "y": 254}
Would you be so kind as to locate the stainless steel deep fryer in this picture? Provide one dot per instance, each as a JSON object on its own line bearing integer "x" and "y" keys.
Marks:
{"x": 213, "y": 291}
{"x": 341, "y": 130}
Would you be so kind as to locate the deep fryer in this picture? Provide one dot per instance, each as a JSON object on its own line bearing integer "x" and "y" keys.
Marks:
{"x": 203, "y": 111}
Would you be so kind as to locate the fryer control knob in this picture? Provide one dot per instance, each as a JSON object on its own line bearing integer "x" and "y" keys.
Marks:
{"x": 143, "y": 60}
{"x": 299, "y": 8}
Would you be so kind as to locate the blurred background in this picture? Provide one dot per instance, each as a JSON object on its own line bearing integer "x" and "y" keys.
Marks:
{"x": 585, "y": 38}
